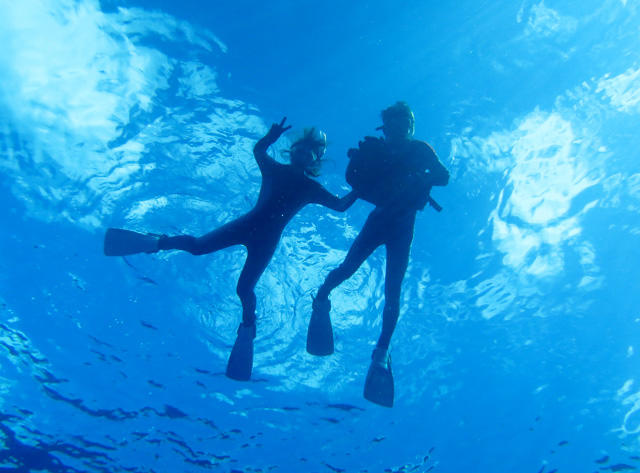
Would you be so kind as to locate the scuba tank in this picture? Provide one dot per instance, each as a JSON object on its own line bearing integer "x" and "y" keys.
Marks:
{"x": 381, "y": 176}
{"x": 369, "y": 169}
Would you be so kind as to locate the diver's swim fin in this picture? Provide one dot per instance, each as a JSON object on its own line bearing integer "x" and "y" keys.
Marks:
{"x": 119, "y": 242}
{"x": 241, "y": 359}
{"x": 378, "y": 387}
{"x": 320, "y": 332}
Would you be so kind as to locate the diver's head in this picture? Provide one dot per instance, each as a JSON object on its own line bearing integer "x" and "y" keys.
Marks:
{"x": 306, "y": 153}
{"x": 398, "y": 122}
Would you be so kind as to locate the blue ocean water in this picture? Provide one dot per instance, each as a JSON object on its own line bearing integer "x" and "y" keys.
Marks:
{"x": 517, "y": 346}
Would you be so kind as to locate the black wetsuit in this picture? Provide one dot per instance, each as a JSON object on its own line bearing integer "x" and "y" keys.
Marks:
{"x": 391, "y": 223}
{"x": 285, "y": 190}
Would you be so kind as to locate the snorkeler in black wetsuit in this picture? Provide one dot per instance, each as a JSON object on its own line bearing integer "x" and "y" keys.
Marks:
{"x": 396, "y": 174}
{"x": 285, "y": 190}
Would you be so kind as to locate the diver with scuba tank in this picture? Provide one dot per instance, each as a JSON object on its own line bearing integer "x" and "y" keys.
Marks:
{"x": 395, "y": 173}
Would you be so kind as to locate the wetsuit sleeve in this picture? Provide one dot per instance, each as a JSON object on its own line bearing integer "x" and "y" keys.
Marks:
{"x": 322, "y": 196}
{"x": 438, "y": 174}
{"x": 435, "y": 175}
{"x": 260, "y": 152}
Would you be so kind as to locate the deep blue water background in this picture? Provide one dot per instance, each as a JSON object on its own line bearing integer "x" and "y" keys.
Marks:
{"x": 517, "y": 346}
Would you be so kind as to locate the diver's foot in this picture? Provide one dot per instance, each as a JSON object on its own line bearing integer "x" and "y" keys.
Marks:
{"x": 320, "y": 332}
{"x": 247, "y": 330}
{"x": 321, "y": 304}
{"x": 381, "y": 358}
{"x": 240, "y": 361}
{"x": 378, "y": 387}
{"x": 161, "y": 242}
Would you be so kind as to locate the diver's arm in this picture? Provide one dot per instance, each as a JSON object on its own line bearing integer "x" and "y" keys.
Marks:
{"x": 416, "y": 187}
{"x": 438, "y": 174}
{"x": 435, "y": 175}
{"x": 327, "y": 199}
{"x": 260, "y": 149}
{"x": 346, "y": 201}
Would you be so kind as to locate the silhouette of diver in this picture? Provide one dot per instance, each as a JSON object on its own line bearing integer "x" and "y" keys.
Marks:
{"x": 285, "y": 190}
{"x": 396, "y": 174}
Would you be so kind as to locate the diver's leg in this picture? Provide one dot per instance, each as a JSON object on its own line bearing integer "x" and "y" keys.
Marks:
{"x": 240, "y": 362}
{"x": 320, "y": 331}
{"x": 365, "y": 243}
{"x": 398, "y": 249}
{"x": 379, "y": 386}
{"x": 223, "y": 237}
{"x": 258, "y": 257}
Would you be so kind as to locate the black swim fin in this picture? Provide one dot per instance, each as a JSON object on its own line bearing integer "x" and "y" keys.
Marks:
{"x": 119, "y": 242}
{"x": 320, "y": 332}
{"x": 240, "y": 361}
{"x": 378, "y": 387}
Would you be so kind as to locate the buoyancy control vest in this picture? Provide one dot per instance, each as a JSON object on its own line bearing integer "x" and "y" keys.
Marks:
{"x": 381, "y": 175}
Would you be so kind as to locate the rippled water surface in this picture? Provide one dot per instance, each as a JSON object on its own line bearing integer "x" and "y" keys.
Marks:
{"x": 517, "y": 348}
